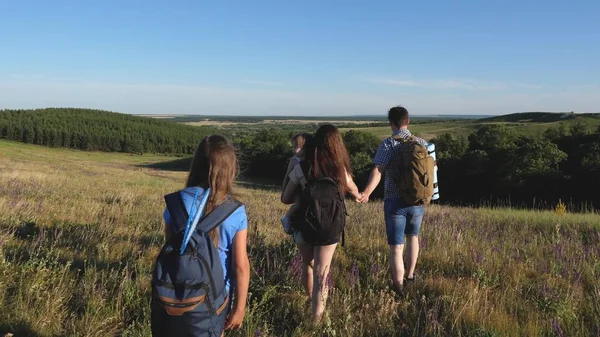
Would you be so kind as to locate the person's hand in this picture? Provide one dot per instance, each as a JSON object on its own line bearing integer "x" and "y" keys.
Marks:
{"x": 358, "y": 198}
{"x": 365, "y": 198}
{"x": 234, "y": 319}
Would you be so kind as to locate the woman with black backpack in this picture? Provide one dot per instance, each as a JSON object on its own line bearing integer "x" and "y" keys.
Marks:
{"x": 322, "y": 180}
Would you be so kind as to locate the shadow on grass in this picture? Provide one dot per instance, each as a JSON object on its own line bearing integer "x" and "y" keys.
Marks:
{"x": 183, "y": 165}
{"x": 178, "y": 165}
{"x": 17, "y": 329}
{"x": 73, "y": 244}
{"x": 24, "y": 254}
{"x": 60, "y": 235}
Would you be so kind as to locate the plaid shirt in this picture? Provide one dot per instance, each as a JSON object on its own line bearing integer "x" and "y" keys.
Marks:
{"x": 389, "y": 162}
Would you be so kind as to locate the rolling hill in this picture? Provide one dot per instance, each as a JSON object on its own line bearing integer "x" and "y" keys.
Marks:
{"x": 87, "y": 129}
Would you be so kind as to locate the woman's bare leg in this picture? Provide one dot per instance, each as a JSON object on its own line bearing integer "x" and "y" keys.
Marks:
{"x": 323, "y": 256}
{"x": 307, "y": 253}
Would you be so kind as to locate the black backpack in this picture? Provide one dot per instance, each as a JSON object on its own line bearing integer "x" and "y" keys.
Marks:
{"x": 321, "y": 215}
{"x": 188, "y": 290}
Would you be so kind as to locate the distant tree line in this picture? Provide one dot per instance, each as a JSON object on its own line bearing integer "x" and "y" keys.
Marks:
{"x": 493, "y": 165}
{"x": 97, "y": 130}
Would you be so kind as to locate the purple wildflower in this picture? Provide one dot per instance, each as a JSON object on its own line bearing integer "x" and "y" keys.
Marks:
{"x": 557, "y": 329}
{"x": 258, "y": 333}
{"x": 576, "y": 275}
{"x": 558, "y": 251}
{"x": 587, "y": 251}
{"x": 330, "y": 280}
{"x": 375, "y": 269}
{"x": 480, "y": 258}
{"x": 296, "y": 266}
{"x": 565, "y": 272}
{"x": 40, "y": 238}
{"x": 354, "y": 274}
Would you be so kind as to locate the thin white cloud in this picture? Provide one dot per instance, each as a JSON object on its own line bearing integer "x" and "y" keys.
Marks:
{"x": 267, "y": 83}
{"x": 586, "y": 87}
{"x": 183, "y": 99}
{"x": 529, "y": 86}
{"x": 401, "y": 83}
{"x": 441, "y": 84}
{"x": 197, "y": 99}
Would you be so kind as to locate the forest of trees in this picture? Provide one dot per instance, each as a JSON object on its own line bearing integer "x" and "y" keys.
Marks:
{"x": 493, "y": 165}
{"x": 97, "y": 130}
{"x": 496, "y": 164}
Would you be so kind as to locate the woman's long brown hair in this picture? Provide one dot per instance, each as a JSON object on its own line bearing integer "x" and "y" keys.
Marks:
{"x": 331, "y": 158}
{"x": 214, "y": 166}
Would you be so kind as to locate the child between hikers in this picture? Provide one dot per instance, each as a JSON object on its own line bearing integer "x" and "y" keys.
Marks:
{"x": 299, "y": 143}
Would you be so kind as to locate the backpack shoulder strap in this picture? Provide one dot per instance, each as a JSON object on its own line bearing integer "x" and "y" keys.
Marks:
{"x": 403, "y": 140}
{"x": 218, "y": 215}
{"x": 399, "y": 138}
{"x": 305, "y": 166}
{"x": 177, "y": 210}
{"x": 328, "y": 180}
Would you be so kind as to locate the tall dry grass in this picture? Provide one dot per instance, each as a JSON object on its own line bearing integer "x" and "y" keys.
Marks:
{"x": 79, "y": 233}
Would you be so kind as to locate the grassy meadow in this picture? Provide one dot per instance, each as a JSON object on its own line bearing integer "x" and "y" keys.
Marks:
{"x": 79, "y": 232}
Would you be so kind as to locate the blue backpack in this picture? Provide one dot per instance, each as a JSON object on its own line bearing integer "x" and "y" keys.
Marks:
{"x": 188, "y": 287}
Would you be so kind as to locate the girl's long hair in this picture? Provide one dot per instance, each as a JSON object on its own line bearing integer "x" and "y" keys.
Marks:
{"x": 214, "y": 166}
{"x": 330, "y": 157}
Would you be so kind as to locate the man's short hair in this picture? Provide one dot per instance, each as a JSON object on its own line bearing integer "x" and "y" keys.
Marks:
{"x": 398, "y": 116}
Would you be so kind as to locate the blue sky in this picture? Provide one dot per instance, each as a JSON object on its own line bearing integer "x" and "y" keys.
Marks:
{"x": 301, "y": 57}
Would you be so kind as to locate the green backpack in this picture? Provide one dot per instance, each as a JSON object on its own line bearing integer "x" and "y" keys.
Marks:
{"x": 414, "y": 178}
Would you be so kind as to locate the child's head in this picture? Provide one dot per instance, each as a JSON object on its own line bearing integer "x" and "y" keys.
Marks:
{"x": 300, "y": 142}
{"x": 214, "y": 166}
{"x": 297, "y": 143}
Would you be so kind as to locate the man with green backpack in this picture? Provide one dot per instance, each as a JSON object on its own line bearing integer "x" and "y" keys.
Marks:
{"x": 408, "y": 188}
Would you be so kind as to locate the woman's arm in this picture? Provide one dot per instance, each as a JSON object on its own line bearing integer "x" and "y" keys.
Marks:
{"x": 286, "y": 179}
{"x": 352, "y": 188}
{"x": 374, "y": 180}
{"x": 241, "y": 268}
{"x": 288, "y": 195}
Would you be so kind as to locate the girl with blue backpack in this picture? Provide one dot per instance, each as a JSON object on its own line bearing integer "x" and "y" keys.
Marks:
{"x": 204, "y": 263}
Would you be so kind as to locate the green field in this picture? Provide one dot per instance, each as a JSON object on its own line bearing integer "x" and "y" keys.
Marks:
{"x": 426, "y": 130}
{"x": 79, "y": 232}
{"x": 533, "y": 123}
{"x": 466, "y": 127}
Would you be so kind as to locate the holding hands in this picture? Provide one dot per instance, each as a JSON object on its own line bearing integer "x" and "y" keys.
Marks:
{"x": 364, "y": 197}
